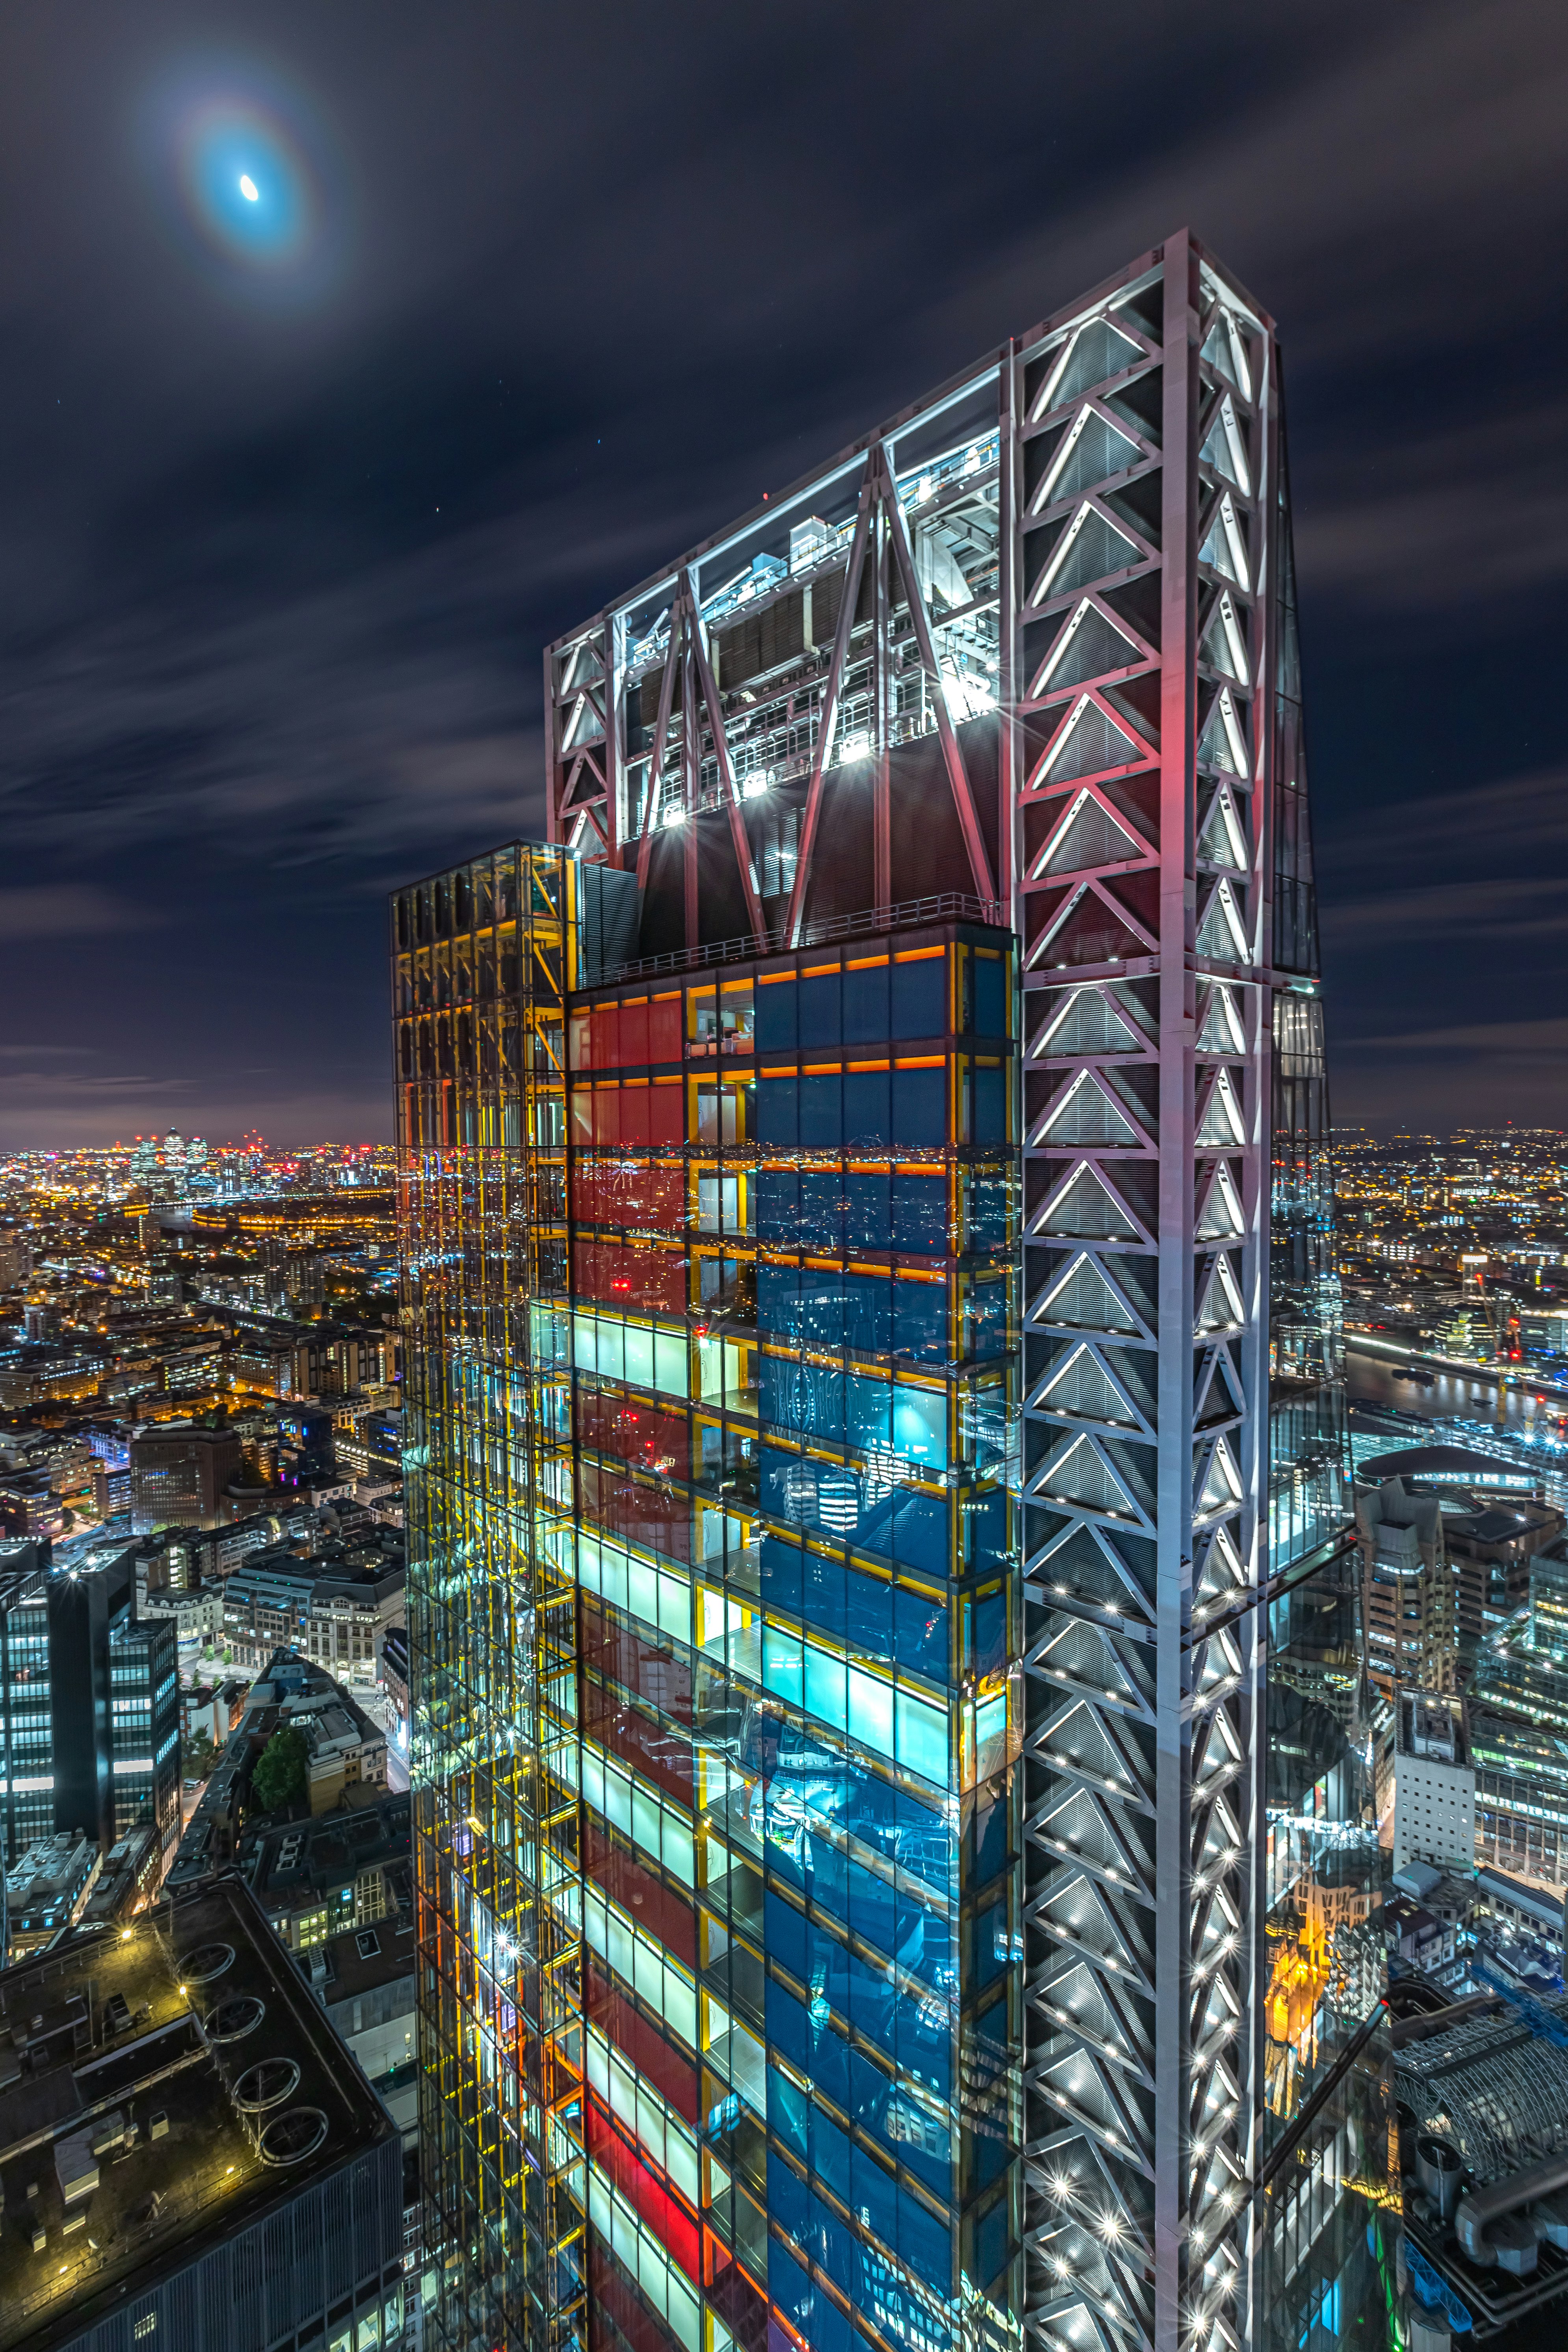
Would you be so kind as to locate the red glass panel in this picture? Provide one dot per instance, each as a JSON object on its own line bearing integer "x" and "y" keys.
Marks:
{"x": 664, "y": 2213}
{"x": 605, "y": 1019}
{"x": 649, "y": 1671}
{"x": 634, "y": 1035}
{"x": 668, "y": 1123}
{"x": 653, "y": 1440}
{"x": 618, "y": 2015}
{"x": 664, "y": 1038}
{"x": 617, "y": 2315}
{"x": 642, "y": 1895}
{"x": 580, "y": 1042}
{"x": 661, "y": 1755}
{"x": 582, "y": 1115}
{"x": 585, "y": 1177}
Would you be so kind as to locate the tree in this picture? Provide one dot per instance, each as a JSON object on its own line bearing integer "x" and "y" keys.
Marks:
{"x": 278, "y": 1778}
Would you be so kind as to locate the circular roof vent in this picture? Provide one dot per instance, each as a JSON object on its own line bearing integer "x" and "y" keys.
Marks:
{"x": 231, "y": 2020}
{"x": 265, "y": 2085}
{"x": 290, "y": 2138}
{"x": 209, "y": 1960}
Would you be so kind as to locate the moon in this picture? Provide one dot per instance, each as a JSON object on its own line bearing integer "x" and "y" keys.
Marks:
{"x": 248, "y": 189}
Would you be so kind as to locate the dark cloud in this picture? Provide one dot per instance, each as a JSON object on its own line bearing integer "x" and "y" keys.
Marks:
{"x": 275, "y": 578}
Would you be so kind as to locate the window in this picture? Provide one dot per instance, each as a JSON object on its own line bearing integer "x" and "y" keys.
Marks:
{"x": 367, "y": 1943}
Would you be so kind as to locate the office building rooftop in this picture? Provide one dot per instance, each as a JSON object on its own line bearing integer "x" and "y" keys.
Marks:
{"x": 163, "y": 2088}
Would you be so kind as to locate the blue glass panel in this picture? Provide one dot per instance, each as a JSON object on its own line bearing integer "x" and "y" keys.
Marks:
{"x": 781, "y": 1566}
{"x": 988, "y": 1106}
{"x": 822, "y": 1594}
{"x": 920, "y": 1633}
{"x": 830, "y": 2064}
{"x": 871, "y": 2000}
{"x": 920, "y": 1207}
{"x": 985, "y": 1527}
{"x": 919, "y": 2141}
{"x": 989, "y": 982}
{"x": 774, "y": 1376}
{"x": 924, "y": 1943}
{"x": 785, "y": 1931}
{"x": 793, "y": 2293}
{"x": 867, "y": 1102}
{"x": 919, "y": 1531}
{"x": 923, "y": 2041}
{"x": 776, "y": 1193}
{"x": 985, "y": 1315}
{"x": 919, "y": 998}
{"x": 775, "y": 1016}
{"x": 788, "y": 2026}
{"x": 830, "y": 2153}
{"x": 821, "y": 1311}
{"x": 874, "y": 2195}
{"x": 777, "y": 1116}
{"x": 869, "y": 1322}
{"x": 925, "y": 2245}
{"x": 822, "y": 1112}
{"x": 789, "y": 2202}
{"x": 988, "y": 1633}
{"x": 990, "y": 1835}
{"x": 778, "y": 1299}
{"x": 919, "y": 1109}
{"x": 789, "y": 2112}
{"x": 821, "y": 1207}
{"x": 920, "y": 1320}
{"x": 865, "y": 1006}
{"x": 872, "y": 1907}
{"x": 867, "y": 1411}
{"x": 824, "y": 1415}
{"x": 868, "y": 1615}
{"x": 869, "y": 1212}
{"x": 990, "y": 1946}
{"x": 819, "y": 1018}
{"x": 838, "y": 2249}
{"x": 987, "y": 1209}
{"x": 991, "y": 2151}
{"x": 992, "y": 2243}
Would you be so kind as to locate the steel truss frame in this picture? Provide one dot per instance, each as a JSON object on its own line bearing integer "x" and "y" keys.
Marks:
{"x": 1127, "y": 820}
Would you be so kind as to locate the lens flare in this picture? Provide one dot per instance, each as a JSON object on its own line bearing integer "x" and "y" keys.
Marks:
{"x": 248, "y": 183}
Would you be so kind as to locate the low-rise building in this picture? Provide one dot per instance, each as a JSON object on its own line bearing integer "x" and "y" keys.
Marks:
{"x": 316, "y": 1878}
{"x": 335, "y": 1609}
{"x": 189, "y": 2157}
{"x": 128, "y": 1881}
{"x": 1519, "y": 1911}
{"x": 47, "y": 1889}
{"x": 345, "y": 1759}
{"x": 363, "y": 1978}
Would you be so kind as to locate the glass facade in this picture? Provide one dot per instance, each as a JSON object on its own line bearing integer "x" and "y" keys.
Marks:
{"x": 145, "y": 1725}
{"x": 794, "y": 1341}
{"x": 27, "y": 1728}
{"x": 895, "y": 1850}
{"x": 754, "y": 1797}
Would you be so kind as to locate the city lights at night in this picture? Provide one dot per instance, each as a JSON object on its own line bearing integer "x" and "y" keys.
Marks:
{"x": 783, "y": 1180}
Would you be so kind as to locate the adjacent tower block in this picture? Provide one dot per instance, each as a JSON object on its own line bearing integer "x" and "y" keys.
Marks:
{"x": 849, "y": 1329}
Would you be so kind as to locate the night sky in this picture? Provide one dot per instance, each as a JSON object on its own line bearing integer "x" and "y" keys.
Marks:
{"x": 534, "y": 298}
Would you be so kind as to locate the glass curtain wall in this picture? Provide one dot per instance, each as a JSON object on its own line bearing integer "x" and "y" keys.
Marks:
{"x": 793, "y": 1334}
{"x": 482, "y": 959}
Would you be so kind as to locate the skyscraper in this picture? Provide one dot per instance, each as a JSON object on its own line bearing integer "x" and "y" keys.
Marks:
{"x": 892, "y": 1825}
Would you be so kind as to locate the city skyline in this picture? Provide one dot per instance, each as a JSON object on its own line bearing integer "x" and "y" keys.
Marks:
{"x": 301, "y": 547}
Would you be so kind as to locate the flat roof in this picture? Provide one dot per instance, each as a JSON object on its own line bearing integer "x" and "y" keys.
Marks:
{"x": 1447, "y": 1466}
{"x": 167, "y": 2018}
